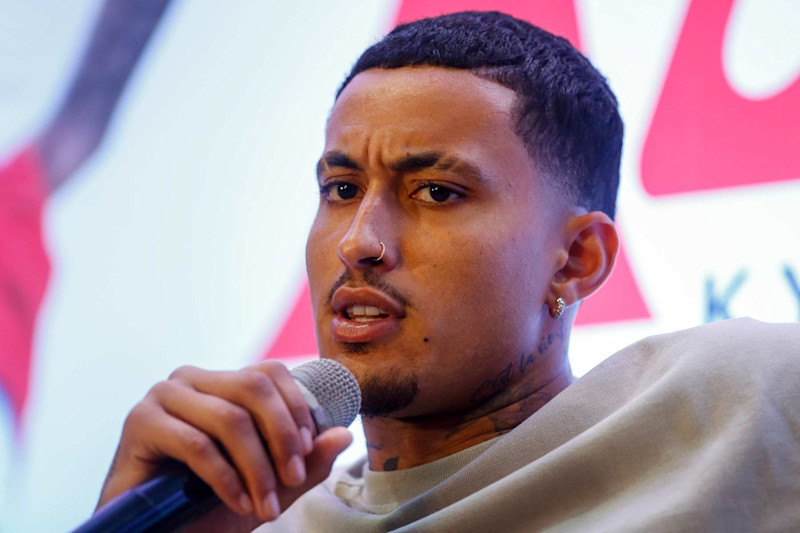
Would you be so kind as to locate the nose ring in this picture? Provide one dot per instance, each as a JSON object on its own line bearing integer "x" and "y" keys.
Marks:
{"x": 383, "y": 251}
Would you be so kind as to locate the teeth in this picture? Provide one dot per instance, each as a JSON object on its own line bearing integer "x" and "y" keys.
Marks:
{"x": 360, "y": 312}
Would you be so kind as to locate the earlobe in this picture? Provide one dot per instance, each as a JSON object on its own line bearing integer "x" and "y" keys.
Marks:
{"x": 591, "y": 245}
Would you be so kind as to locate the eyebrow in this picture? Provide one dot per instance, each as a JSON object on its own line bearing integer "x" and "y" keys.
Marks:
{"x": 433, "y": 159}
{"x": 336, "y": 158}
{"x": 438, "y": 161}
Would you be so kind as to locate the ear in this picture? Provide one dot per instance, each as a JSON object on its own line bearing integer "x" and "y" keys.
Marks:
{"x": 590, "y": 247}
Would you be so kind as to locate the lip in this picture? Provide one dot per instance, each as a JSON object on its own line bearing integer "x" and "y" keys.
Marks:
{"x": 345, "y": 330}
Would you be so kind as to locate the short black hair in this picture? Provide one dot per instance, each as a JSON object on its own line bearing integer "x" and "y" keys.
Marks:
{"x": 566, "y": 114}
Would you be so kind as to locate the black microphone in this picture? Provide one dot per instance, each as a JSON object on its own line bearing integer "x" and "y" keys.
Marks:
{"x": 169, "y": 502}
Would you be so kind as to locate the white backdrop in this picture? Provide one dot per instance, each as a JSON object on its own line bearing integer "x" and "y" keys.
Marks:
{"x": 182, "y": 240}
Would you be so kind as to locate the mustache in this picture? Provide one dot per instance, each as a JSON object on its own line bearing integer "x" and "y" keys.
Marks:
{"x": 368, "y": 277}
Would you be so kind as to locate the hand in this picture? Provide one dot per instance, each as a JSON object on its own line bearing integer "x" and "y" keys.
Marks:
{"x": 217, "y": 423}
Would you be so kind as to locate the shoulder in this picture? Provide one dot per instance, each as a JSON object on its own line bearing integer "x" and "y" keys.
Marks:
{"x": 730, "y": 358}
{"x": 741, "y": 341}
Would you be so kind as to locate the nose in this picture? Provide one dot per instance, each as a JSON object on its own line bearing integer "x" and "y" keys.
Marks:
{"x": 369, "y": 241}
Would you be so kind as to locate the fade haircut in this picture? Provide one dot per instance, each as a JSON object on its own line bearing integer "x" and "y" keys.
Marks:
{"x": 565, "y": 112}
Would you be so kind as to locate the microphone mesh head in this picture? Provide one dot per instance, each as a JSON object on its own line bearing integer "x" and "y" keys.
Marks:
{"x": 334, "y": 387}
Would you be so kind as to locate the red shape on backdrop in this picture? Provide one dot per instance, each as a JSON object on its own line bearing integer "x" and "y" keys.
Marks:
{"x": 297, "y": 336}
{"x": 24, "y": 270}
{"x": 619, "y": 299}
{"x": 703, "y": 134}
{"x": 556, "y": 17}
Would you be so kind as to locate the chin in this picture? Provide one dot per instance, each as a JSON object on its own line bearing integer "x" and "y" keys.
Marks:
{"x": 382, "y": 393}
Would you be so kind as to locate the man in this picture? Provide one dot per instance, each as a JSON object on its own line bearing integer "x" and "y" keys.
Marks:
{"x": 467, "y": 191}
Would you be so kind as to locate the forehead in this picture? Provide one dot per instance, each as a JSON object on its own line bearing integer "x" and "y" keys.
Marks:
{"x": 428, "y": 106}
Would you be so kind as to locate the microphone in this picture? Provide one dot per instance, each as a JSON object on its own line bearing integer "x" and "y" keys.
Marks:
{"x": 169, "y": 502}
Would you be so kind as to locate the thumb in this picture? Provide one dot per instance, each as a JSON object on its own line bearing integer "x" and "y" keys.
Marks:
{"x": 327, "y": 446}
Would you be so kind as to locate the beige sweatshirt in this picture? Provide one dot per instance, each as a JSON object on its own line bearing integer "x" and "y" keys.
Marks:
{"x": 697, "y": 430}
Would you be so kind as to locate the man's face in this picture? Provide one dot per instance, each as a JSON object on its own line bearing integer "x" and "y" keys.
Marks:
{"x": 425, "y": 161}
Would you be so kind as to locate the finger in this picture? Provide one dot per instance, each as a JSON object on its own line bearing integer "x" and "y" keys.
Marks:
{"x": 327, "y": 446}
{"x": 174, "y": 438}
{"x": 258, "y": 394}
{"x": 232, "y": 427}
{"x": 295, "y": 401}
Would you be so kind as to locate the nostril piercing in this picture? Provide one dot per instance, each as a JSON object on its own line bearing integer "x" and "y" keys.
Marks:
{"x": 383, "y": 251}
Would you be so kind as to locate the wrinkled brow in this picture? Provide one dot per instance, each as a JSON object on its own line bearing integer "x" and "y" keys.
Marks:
{"x": 435, "y": 160}
{"x": 336, "y": 158}
{"x": 438, "y": 161}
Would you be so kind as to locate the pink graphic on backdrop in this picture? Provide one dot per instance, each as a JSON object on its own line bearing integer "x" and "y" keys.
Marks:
{"x": 24, "y": 270}
{"x": 556, "y": 17}
{"x": 704, "y": 135}
{"x": 618, "y": 300}
{"x": 297, "y": 336}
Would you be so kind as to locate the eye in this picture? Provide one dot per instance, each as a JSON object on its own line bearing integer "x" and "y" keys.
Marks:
{"x": 435, "y": 193}
{"x": 339, "y": 191}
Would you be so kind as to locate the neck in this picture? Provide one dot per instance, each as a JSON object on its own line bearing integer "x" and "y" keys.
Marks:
{"x": 400, "y": 443}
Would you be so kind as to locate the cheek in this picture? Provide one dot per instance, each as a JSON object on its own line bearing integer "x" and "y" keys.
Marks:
{"x": 480, "y": 311}
{"x": 479, "y": 282}
{"x": 322, "y": 259}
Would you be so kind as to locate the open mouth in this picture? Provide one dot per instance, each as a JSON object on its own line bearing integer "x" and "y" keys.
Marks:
{"x": 365, "y": 313}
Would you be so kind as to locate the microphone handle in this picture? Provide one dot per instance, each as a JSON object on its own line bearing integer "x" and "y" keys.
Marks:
{"x": 162, "y": 504}
{"x": 169, "y": 502}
